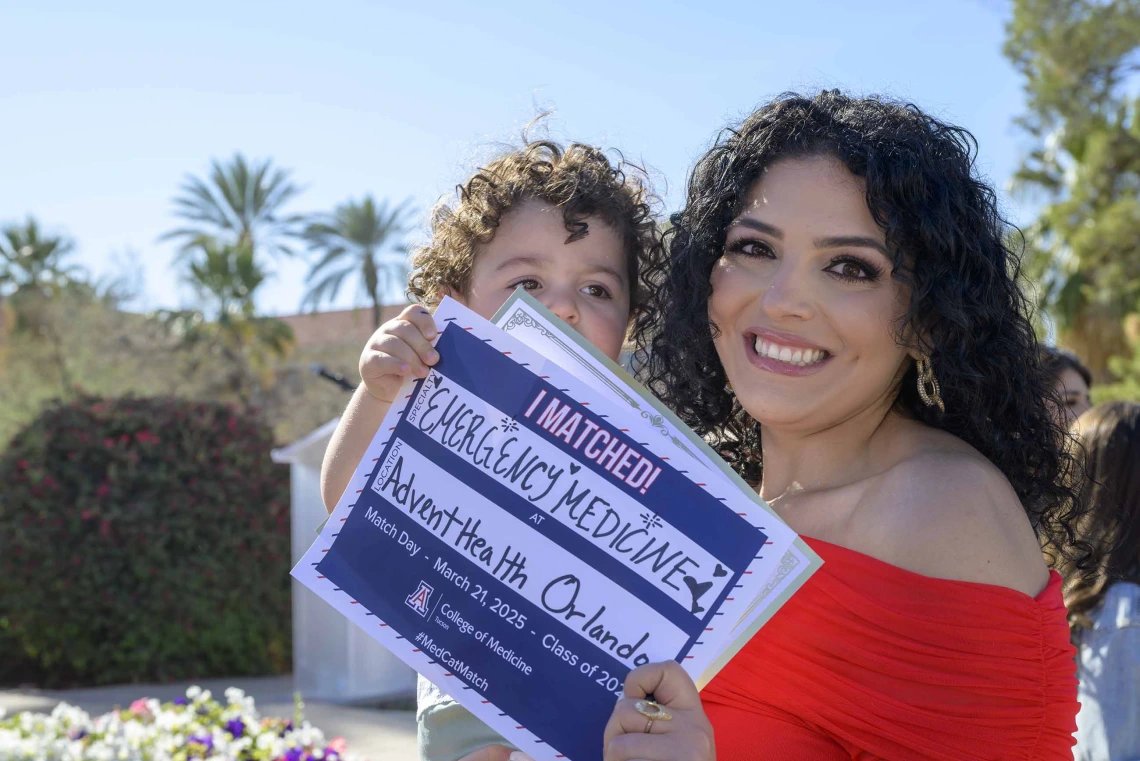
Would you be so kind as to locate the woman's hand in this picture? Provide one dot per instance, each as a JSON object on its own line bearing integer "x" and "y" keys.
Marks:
{"x": 399, "y": 348}
{"x": 631, "y": 734}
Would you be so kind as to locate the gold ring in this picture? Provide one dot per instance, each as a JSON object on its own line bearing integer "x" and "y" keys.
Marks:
{"x": 648, "y": 726}
{"x": 652, "y": 710}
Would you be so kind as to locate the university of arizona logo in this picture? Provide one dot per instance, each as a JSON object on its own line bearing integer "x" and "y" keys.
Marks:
{"x": 418, "y": 600}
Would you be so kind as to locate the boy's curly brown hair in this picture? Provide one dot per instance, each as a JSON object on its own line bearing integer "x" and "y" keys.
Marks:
{"x": 580, "y": 179}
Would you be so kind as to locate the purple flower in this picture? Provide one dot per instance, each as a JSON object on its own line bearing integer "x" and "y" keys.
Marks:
{"x": 180, "y": 701}
{"x": 79, "y": 734}
{"x": 294, "y": 754}
{"x": 206, "y": 742}
{"x": 235, "y": 727}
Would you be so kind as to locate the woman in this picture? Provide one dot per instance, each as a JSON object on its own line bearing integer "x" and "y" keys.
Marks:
{"x": 840, "y": 315}
{"x": 1104, "y": 602}
{"x": 1071, "y": 383}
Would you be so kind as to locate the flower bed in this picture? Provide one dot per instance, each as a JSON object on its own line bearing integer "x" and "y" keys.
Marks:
{"x": 194, "y": 727}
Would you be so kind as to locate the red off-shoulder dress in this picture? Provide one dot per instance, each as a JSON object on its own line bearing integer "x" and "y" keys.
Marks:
{"x": 871, "y": 661}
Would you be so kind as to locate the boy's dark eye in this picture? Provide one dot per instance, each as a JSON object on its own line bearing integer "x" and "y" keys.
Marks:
{"x": 597, "y": 291}
{"x": 529, "y": 284}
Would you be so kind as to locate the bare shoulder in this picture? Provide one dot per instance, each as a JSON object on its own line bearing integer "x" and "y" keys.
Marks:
{"x": 948, "y": 512}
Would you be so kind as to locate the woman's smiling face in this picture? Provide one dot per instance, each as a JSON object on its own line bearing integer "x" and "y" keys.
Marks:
{"x": 804, "y": 301}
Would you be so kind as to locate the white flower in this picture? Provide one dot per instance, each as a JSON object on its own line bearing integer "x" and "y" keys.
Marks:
{"x": 193, "y": 692}
{"x": 160, "y": 736}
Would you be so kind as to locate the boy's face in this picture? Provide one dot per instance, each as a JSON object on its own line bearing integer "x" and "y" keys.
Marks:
{"x": 584, "y": 282}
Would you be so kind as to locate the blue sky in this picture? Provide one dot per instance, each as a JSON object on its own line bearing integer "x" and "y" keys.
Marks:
{"x": 105, "y": 107}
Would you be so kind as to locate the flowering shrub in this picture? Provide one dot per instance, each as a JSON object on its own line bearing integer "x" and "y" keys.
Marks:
{"x": 195, "y": 727}
{"x": 143, "y": 539}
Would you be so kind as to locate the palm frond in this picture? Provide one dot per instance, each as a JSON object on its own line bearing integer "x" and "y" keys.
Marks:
{"x": 353, "y": 237}
{"x": 331, "y": 256}
{"x": 327, "y": 289}
{"x": 238, "y": 202}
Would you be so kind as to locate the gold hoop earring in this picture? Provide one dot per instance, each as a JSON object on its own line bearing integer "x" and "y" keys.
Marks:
{"x": 928, "y": 388}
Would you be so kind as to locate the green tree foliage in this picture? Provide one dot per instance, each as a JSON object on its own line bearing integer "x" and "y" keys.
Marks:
{"x": 1125, "y": 369}
{"x": 241, "y": 204}
{"x": 234, "y": 220}
{"x": 362, "y": 239}
{"x": 1078, "y": 58}
{"x": 226, "y": 278}
{"x": 91, "y": 347}
{"x": 34, "y": 267}
{"x": 31, "y": 261}
{"x": 143, "y": 540}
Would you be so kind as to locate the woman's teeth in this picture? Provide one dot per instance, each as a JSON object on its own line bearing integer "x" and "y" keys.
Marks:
{"x": 798, "y": 357}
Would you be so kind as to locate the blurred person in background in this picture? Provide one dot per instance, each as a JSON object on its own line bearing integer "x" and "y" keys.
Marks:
{"x": 1104, "y": 601}
{"x": 1072, "y": 385}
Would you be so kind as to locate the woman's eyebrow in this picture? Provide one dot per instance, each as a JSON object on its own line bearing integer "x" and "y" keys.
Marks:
{"x": 831, "y": 241}
{"x": 844, "y": 241}
{"x": 757, "y": 225}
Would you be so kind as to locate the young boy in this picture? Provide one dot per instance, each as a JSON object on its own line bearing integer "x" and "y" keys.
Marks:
{"x": 573, "y": 229}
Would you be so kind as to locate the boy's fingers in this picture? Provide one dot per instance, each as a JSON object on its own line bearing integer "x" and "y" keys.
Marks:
{"x": 422, "y": 319}
{"x": 392, "y": 357}
{"x": 411, "y": 335}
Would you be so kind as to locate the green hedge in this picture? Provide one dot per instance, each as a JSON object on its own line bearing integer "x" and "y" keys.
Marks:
{"x": 143, "y": 539}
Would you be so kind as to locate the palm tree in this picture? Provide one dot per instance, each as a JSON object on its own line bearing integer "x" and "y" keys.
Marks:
{"x": 226, "y": 278}
{"x": 361, "y": 238}
{"x": 240, "y": 205}
{"x": 33, "y": 263}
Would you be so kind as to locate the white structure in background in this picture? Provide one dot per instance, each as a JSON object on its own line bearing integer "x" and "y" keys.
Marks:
{"x": 333, "y": 660}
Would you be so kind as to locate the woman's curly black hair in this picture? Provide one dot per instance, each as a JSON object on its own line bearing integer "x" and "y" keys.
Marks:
{"x": 949, "y": 245}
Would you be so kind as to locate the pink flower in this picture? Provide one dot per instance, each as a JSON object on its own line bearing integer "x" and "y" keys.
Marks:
{"x": 103, "y": 490}
{"x": 139, "y": 706}
{"x": 338, "y": 744}
{"x": 146, "y": 437}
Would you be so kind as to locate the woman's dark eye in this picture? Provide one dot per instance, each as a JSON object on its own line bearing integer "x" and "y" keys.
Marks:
{"x": 750, "y": 247}
{"x": 852, "y": 269}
